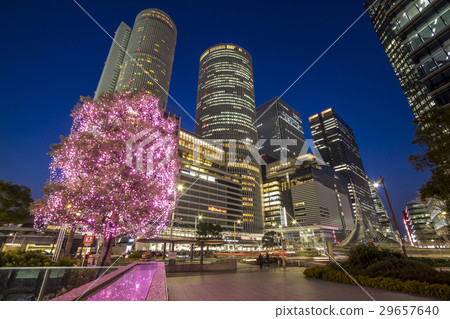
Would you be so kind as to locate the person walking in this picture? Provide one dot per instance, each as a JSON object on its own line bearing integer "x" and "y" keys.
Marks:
{"x": 260, "y": 261}
{"x": 267, "y": 259}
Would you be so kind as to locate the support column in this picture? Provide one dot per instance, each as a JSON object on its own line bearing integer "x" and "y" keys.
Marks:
{"x": 164, "y": 252}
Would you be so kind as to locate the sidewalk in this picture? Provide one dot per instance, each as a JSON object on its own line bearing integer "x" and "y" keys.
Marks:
{"x": 251, "y": 283}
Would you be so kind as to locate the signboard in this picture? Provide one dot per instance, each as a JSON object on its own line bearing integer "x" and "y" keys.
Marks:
{"x": 215, "y": 209}
{"x": 172, "y": 255}
{"x": 88, "y": 240}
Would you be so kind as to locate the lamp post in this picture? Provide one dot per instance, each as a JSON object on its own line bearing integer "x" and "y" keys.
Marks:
{"x": 234, "y": 230}
{"x": 376, "y": 184}
{"x": 195, "y": 225}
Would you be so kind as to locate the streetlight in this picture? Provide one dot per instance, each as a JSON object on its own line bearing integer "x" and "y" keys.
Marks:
{"x": 376, "y": 184}
{"x": 234, "y": 227}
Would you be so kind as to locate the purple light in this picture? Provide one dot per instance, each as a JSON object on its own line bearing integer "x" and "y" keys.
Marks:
{"x": 91, "y": 184}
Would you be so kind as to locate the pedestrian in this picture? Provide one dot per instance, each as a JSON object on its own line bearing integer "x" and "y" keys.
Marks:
{"x": 267, "y": 259}
{"x": 260, "y": 261}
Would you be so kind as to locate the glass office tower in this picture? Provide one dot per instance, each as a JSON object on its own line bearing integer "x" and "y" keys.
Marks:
{"x": 416, "y": 37}
{"x": 275, "y": 119}
{"x": 226, "y": 114}
{"x": 147, "y": 63}
{"x": 335, "y": 141}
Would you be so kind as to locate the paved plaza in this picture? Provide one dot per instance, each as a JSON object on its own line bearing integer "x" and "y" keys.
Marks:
{"x": 251, "y": 283}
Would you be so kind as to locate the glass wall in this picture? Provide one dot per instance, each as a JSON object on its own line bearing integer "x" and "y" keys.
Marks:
{"x": 44, "y": 283}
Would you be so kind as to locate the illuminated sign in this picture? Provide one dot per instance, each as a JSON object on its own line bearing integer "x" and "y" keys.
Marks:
{"x": 56, "y": 227}
{"x": 88, "y": 240}
{"x": 215, "y": 209}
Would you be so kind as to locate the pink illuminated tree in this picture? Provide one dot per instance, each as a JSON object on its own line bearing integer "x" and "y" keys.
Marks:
{"x": 116, "y": 173}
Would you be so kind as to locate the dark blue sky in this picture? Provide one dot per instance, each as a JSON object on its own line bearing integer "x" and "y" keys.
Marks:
{"x": 52, "y": 53}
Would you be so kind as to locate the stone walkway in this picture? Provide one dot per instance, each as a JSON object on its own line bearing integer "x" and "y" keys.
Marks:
{"x": 251, "y": 283}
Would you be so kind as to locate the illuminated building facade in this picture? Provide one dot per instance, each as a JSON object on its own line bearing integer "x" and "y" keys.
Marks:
{"x": 275, "y": 119}
{"x": 335, "y": 141}
{"x": 416, "y": 37}
{"x": 147, "y": 65}
{"x": 419, "y": 222}
{"x": 226, "y": 114}
{"x": 210, "y": 193}
{"x": 303, "y": 193}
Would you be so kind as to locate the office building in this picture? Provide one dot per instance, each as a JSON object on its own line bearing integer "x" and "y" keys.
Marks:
{"x": 210, "y": 193}
{"x": 276, "y": 120}
{"x": 416, "y": 37}
{"x": 336, "y": 143}
{"x": 440, "y": 219}
{"x": 113, "y": 64}
{"x": 301, "y": 195}
{"x": 144, "y": 59}
{"x": 225, "y": 114}
{"x": 417, "y": 217}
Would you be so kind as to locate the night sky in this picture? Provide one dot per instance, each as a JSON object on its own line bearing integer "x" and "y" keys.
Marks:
{"x": 53, "y": 53}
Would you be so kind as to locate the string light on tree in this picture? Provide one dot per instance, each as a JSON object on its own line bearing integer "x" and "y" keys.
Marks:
{"x": 91, "y": 184}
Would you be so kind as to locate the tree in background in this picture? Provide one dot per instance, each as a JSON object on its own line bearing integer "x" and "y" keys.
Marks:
{"x": 433, "y": 135}
{"x": 97, "y": 181}
{"x": 14, "y": 203}
{"x": 269, "y": 239}
{"x": 215, "y": 231}
{"x": 207, "y": 231}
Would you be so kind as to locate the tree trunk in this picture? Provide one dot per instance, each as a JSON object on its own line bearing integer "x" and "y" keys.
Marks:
{"x": 69, "y": 244}
{"x": 201, "y": 253}
{"x": 106, "y": 252}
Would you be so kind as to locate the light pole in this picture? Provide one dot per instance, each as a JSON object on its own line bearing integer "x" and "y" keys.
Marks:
{"x": 195, "y": 225}
{"x": 234, "y": 236}
{"x": 376, "y": 184}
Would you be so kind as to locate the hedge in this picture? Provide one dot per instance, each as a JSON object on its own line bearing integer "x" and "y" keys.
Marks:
{"x": 409, "y": 286}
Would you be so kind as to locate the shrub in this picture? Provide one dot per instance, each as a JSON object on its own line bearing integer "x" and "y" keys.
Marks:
{"x": 135, "y": 255}
{"x": 362, "y": 255}
{"x": 434, "y": 262}
{"x": 31, "y": 258}
{"x": 409, "y": 286}
{"x": 373, "y": 262}
{"x": 66, "y": 262}
{"x": 22, "y": 258}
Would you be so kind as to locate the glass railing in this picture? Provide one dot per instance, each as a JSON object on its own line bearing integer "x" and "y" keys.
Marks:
{"x": 45, "y": 283}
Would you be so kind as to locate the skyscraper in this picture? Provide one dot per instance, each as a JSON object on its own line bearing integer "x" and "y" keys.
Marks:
{"x": 113, "y": 64}
{"x": 336, "y": 143}
{"x": 144, "y": 60}
{"x": 275, "y": 119}
{"x": 226, "y": 114}
{"x": 416, "y": 38}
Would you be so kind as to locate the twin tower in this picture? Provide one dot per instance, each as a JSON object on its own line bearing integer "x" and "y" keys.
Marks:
{"x": 141, "y": 58}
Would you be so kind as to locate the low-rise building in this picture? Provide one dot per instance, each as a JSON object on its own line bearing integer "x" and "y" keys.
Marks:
{"x": 299, "y": 193}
